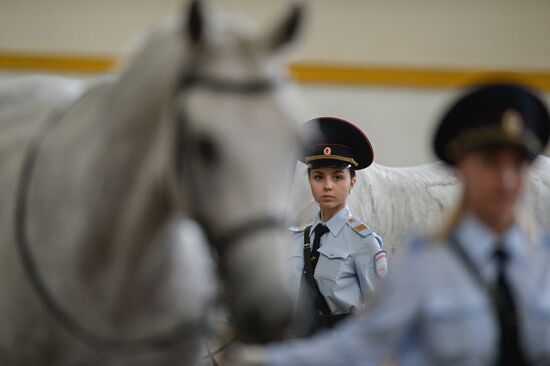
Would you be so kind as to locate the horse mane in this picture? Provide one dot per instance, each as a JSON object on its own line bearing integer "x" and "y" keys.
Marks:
{"x": 422, "y": 199}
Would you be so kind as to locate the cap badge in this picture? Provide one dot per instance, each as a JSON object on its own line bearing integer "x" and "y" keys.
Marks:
{"x": 327, "y": 151}
{"x": 512, "y": 123}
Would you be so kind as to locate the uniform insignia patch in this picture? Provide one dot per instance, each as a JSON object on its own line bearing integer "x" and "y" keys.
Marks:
{"x": 381, "y": 263}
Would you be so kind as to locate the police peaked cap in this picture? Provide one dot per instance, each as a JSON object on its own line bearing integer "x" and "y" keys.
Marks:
{"x": 492, "y": 116}
{"x": 337, "y": 143}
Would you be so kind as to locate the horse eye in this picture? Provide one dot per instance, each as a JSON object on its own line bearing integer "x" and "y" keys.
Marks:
{"x": 207, "y": 149}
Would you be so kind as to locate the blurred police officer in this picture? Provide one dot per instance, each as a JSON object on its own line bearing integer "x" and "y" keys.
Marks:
{"x": 478, "y": 293}
{"x": 336, "y": 260}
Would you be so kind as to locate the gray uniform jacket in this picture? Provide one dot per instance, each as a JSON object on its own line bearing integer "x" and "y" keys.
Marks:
{"x": 431, "y": 310}
{"x": 350, "y": 261}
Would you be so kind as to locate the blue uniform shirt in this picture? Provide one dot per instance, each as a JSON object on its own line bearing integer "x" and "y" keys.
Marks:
{"x": 350, "y": 261}
{"x": 431, "y": 310}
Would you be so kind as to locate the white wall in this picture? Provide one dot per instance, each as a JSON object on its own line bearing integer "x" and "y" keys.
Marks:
{"x": 398, "y": 121}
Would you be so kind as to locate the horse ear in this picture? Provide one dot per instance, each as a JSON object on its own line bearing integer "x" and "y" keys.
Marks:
{"x": 288, "y": 30}
{"x": 195, "y": 21}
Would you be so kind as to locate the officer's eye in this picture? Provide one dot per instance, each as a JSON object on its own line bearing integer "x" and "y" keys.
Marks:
{"x": 317, "y": 177}
{"x": 338, "y": 177}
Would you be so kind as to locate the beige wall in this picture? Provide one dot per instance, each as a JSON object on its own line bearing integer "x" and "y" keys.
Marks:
{"x": 442, "y": 33}
{"x": 466, "y": 34}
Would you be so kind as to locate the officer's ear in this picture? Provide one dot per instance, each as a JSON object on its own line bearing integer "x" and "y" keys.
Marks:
{"x": 352, "y": 183}
{"x": 286, "y": 32}
{"x": 462, "y": 167}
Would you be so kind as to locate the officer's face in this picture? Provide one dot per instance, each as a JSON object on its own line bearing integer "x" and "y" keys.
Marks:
{"x": 330, "y": 187}
{"x": 493, "y": 183}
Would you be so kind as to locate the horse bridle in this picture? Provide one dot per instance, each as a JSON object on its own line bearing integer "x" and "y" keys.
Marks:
{"x": 162, "y": 339}
{"x": 221, "y": 241}
{"x": 185, "y": 147}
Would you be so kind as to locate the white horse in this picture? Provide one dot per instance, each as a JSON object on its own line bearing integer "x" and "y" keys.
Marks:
{"x": 398, "y": 201}
{"x": 97, "y": 266}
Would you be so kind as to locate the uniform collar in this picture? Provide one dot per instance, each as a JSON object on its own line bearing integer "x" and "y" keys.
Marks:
{"x": 480, "y": 241}
{"x": 336, "y": 223}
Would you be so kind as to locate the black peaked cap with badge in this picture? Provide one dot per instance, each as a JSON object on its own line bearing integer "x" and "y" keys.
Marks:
{"x": 336, "y": 143}
{"x": 491, "y": 116}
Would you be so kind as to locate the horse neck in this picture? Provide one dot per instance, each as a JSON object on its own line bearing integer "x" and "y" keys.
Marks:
{"x": 135, "y": 153}
{"x": 139, "y": 95}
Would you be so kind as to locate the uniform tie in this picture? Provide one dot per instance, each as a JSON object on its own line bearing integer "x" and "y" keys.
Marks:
{"x": 319, "y": 231}
{"x": 510, "y": 352}
{"x": 310, "y": 301}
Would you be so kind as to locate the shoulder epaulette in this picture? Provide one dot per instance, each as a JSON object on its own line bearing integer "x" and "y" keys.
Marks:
{"x": 359, "y": 227}
{"x": 297, "y": 229}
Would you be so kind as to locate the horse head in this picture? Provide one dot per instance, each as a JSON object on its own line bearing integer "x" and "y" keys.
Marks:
{"x": 235, "y": 140}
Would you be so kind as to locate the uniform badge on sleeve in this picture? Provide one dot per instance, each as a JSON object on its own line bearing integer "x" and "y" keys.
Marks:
{"x": 381, "y": 263}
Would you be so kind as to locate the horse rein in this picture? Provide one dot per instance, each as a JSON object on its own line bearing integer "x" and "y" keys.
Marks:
{"x": 162, "y": 339}
{"x": 159, "y": 340}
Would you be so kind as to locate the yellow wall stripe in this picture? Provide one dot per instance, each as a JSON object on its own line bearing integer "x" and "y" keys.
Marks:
{"x": 410, "y": 77}
{"x": 305, "y": 73}
{"x": 56, "y": 63}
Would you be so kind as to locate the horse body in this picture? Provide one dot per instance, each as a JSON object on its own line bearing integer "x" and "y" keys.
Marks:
{"x": 83, "y": 200}
{"x": 398, "y": 201}
{"x": 118, "y": 163}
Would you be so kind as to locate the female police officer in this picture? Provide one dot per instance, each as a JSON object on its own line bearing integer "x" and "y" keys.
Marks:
{"x": 337, "y": 259}
{"x": 479, "y": 292}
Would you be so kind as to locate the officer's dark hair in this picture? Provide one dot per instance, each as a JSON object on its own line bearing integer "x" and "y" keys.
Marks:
{"x": 351, "y": 171}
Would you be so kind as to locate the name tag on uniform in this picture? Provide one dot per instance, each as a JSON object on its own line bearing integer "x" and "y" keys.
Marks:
{"x": 381, "y": 263}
